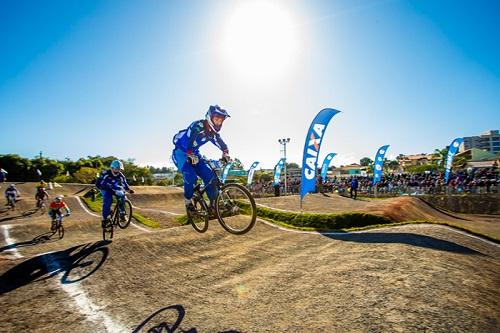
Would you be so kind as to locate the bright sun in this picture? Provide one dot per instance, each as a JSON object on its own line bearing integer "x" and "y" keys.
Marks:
{"x": 259, "y": 41}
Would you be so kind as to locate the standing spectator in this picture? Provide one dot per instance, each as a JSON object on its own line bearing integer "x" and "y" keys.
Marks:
{"x": 354, "y": 187}
{"x": 277, "y": 190}
{"x": 3, "y": 175}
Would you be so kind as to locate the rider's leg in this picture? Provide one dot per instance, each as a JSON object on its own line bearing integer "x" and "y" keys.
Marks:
{"x": 190, "y": 178}
{"x": 205, "y": 173}
{"x": 120, "y": 199}
{"x": 107, "y": 200}
{"x": 188, "y": 173}
{"x": 52, "y": 215}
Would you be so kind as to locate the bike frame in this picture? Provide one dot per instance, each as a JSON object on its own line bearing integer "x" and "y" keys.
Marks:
{"x": 215, "y": 179}
{"x": 11, "y": 200}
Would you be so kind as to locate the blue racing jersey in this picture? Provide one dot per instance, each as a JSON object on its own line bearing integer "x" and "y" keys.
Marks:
{"x": 196, "y": 135}
{"x": 108, "y": 181}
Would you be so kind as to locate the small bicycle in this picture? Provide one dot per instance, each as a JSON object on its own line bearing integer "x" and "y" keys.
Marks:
{"x": 117, "y": 219}
{"x": 40, "y": 204}
{"x": 235, "y": 207}
{"x": 57, "y": 225}
{"x": 11, "y": 201}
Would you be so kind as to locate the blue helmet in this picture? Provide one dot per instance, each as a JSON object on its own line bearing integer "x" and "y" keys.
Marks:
{"x": 116, "y": 164}
{"x": 214, "y": 110}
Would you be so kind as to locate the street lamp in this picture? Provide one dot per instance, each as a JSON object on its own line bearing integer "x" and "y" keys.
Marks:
{"x": 283, "y": 143}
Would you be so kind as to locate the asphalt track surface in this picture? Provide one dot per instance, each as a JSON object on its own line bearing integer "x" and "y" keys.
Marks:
{"x": 405, "y": 279}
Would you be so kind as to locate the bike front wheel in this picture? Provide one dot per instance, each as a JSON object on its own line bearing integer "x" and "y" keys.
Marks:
{"x": 128, "y": 215}
{"x": 60, "y": 231}
{"x": 235, "y": 208}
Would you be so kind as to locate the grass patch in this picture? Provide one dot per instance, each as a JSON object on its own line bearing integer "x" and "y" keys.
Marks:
{"x": 312, "y": 221}
{"x": 346, "y": 222}
{"x": 146, "y": 221}
{"x": 96, "y": 206}
{"x": 183, "y": 220}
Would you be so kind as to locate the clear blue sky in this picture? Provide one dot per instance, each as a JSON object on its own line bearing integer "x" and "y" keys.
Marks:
{"x": 120, "y": 78}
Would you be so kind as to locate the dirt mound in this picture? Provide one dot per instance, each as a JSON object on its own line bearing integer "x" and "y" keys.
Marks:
{"x": 268, "y": 280}
{"x": 397, "y": 209}
{"x": 157, "y": 200}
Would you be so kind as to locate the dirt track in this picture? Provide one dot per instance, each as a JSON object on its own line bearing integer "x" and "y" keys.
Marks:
{"x": 411, "y": 278}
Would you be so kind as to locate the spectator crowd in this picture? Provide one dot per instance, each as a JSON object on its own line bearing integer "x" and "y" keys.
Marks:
{"x": 475, "y": 181}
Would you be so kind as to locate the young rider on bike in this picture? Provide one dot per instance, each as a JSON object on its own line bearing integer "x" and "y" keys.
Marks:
{"x": 55, "y": 209}
{"x": 112, "y": 182}
{"x": 12, "y": 192}
{"x": 186, "y": 155}
{"x": 41, "y": 193}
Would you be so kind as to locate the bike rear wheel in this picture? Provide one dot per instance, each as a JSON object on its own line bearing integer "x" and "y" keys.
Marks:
{"x": 128, "y": 215}
{"x": 107, "y": 231}
{"x": 199, "y": 218}
{"x": 235, "y": 208}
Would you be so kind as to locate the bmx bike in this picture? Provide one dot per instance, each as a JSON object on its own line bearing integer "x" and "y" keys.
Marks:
{"x": 234, "y": 206}
{"x": 117, "y": 218}
{"x": 57, "y": 225}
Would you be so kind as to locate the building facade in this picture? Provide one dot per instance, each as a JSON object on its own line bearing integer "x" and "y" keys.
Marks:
{"x": 489, "y": 141}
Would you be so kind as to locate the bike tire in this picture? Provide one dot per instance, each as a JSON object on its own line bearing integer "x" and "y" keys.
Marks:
{"x": 60, "y": 231}
{"x": 128, "y": 215}
{"x": 199, "y": 219}
{"x": 236, "y": 209}
{"x": 107, "y": 231}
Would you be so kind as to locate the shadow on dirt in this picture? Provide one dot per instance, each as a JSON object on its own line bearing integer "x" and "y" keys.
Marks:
{"x": 22, "y": 215}
{"x": 42, "y": 238}
{"x": 404, "y": 238}
{"x": 77, "y": 263}
{"x": 168, "y": 320}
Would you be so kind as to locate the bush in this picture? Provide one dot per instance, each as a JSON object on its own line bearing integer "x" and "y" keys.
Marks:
{"x": 85, "y": 175}
{"x": 63, "y": 179}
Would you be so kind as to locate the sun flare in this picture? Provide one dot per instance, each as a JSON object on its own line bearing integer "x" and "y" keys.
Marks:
{"x": 259, "y": 41}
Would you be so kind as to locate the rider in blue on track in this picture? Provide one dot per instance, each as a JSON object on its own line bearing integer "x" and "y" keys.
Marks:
{"x": 186, "y": 155}
{"x": 113, "y": 182}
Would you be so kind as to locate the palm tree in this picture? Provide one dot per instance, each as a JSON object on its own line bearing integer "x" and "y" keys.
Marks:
{"x": 441, "y": 154}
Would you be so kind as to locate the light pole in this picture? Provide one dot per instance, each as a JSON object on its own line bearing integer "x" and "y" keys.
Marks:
{"x": 283, "y": 143}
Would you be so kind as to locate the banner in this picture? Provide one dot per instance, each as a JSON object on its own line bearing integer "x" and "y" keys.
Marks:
{"x": 311, "y": 150}
{"x": 455, "y": 144}
{"x": 379, "y": 163}
{"x": 39, "y": 172}
{"x": 225, "y": 172}
{"x": 326, "y": 164}
{"x": 277, "y": 171}
{"x": 250, "y": 172}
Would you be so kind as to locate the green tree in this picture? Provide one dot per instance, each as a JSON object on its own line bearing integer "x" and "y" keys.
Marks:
{"x": 365, "y": 161}
{"x": 49, "y": 168}
{"x": 18, "y": 168}
{"x": 440, "y": 164}
{"x": 85, "y": 175}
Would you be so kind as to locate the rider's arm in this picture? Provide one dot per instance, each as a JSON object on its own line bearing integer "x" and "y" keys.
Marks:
{"x": 193, "y": 133}
{"x": 124, "y": 182}
{"x": 68, "y": 211}
{"x": 102, "y": 182}
{"x": 217, "y": 140}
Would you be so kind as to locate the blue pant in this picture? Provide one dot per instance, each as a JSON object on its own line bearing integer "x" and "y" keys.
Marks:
{"x": 107, "y": 201}
{"x": 191, "y": 173}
